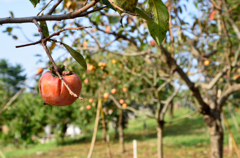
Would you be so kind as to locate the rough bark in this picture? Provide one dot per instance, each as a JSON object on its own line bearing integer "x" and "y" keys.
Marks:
{"x": 213, "y": 122}
{"x": 160, "y": 138}
{"x": 121, "y": 133}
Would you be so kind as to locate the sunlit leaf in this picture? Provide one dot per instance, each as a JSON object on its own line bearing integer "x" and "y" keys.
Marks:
{"x": 160, "y": 23}
{"x": 142, "y": 14}
{"x": 11, "y": 13}
{"x": 107, "y": 3}
{"x": 76, "y": 55}
{"x": 34, "y": 2}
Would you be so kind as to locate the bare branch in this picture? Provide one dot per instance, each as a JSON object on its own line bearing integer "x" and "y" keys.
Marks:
{"x": 12, "y": 100}
{"x": 79, "y": 13}
{"x": 227, "y": 93}
{"x": 54, "y": 34}
{"x": 196, "y": 93}
{"x": 167, "y": 103}
{"x": 45, "y": 7}
{"x": 215, "y": 80}
{"x": 54, "y": 7}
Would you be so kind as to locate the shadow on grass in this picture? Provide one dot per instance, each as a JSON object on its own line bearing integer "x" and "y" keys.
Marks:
{"x": 186, "y": 131}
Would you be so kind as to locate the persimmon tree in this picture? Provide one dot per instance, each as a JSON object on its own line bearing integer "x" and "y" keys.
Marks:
{"x": 207, "y": 46}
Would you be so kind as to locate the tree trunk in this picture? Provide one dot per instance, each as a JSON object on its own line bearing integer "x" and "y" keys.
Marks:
{"x": 121, "y": 133}
{"x": 116, "y": 134}
{"x": 213, "y": 122}
{"x": 160, "y": 138}
{"x": 171, "y": 106}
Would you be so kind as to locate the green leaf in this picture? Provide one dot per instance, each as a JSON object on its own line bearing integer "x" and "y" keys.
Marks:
{"x": 160, "y": 23}
{"x": 15, "y": 37}
{"x": 143, "y": 14}
{"x": 44, "y": 28}
{"x": 76, "y": 55}
{"x": 107, "y": 3}
{"x": 127, "y": 5}
{"x": 34, "y": 2}
{"x": 11, "y": 13}
{"x": 113, "y": 20}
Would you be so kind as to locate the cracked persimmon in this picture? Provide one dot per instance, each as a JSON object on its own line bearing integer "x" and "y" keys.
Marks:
{"x": 53, "y": 90}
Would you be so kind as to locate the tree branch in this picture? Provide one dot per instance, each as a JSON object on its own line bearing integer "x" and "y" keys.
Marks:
{"x": 167, "y": 103}
{"x": 196, "y": 93}
{"x": 54, "y": 7}
{"x": 227, "y": 93}
{"x": 79, "y": 13}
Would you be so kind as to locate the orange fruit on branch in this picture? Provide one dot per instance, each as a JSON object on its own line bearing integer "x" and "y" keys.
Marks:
{"x": 90, "y": 100}
{"x": 88, "y": 107}
{"x": 54, "y": 92}
{"x": 39, "y": 70}
{"x": 114, "y": 90}
{"x": 105, "y": 95}
{"x": 124, "y": 105}
{"x": 206, "y": 62}
{"x": 121, "y": 101}
{"x": 125, "y": 90}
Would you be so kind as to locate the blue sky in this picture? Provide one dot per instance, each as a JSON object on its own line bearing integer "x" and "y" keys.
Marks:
{"x": 26, "y": 55}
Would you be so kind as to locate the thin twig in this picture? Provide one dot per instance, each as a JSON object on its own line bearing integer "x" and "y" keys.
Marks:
{"x": 79, "y": 13}
{"x": 54, "y": 7}
{"x": 45, "y": 7}
{"x": 54, "y": 34}
{"x": 29, "y": 44}
{"x": 12, "y": 100}
{"x": 57, "y": 33}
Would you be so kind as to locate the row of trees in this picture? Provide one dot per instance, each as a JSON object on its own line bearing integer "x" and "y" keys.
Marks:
{"x": 200, "y": 52}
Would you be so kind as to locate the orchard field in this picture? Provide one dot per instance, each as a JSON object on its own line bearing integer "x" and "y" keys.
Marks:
{"x": 190, "y": 141}
{"x": 120, "y": 78}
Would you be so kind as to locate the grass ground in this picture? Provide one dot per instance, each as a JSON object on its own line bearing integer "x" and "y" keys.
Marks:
{"x": 187, "y": 138}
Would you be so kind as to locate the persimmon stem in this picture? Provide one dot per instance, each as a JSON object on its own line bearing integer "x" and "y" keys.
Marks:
{"x": 55, "y": 68}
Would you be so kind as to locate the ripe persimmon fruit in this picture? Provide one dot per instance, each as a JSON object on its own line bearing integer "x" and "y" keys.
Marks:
{"x": 124, "y": 105}
{"x": 106, "y": 95}
{"x": 152, "y": 43}
{"x": 125, "y": 90}
{"x": 90, "y": 100}
{"x": 121, "y": 101}
{"x": 88, "y": 107}
{"x": 39, "y": 70}
{"x": 114, "y": 90}
{"x": 54, "y": 92}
